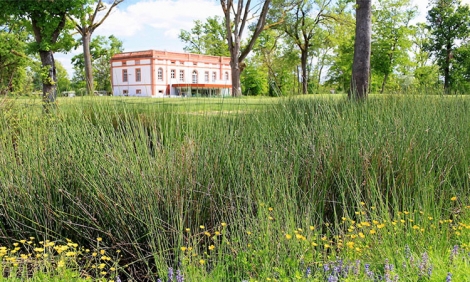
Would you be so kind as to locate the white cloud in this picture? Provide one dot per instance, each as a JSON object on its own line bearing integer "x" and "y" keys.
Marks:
{"x": 167, "y": 15}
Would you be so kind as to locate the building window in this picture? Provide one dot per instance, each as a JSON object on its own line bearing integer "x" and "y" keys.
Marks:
{"x": 138, "y": 75}
{"x": 125, "y": 92}
{"x": 194, "y": 76}
{"x": 182, "y": 75}
{"x": 138, "y": 91}
{"x": 172, "y": 73}
{"x": 214, "y": 76}
{"x": 172, "y": 62}
{"x": 160, "y": 74}
{"x": 124, "y": 75}
{"x": 137, "y": 62}
{"x": 206, "y": 76}
{"x": 226, "y": 75}
{"x": 124, "y": 63}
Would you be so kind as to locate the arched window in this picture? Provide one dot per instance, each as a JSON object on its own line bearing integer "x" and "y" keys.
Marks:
{"x": 194, "y": 76}
{"x": 160, "y": 74}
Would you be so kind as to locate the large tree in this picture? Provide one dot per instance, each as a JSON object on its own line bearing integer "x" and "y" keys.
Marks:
{"x": 13, "y": 58}
{"x": 237, "y": 15}
{"x": 101, "y": 50}
{"x": 362, "y": 46}
{"x": 391, "y": 43}
{"x": 449, "y": 22}
{"x": 86, "y": 23}
{"x": 48, "y": 23}
{"x": 301, "y": 25}
{"x": 207, "y": 38}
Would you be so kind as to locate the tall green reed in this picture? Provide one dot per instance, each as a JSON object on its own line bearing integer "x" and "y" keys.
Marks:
{"x": 139, "y": 175}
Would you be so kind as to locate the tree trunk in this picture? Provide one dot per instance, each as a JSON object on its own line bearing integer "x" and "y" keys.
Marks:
{"x": 383, "y": 83}
{"x": 88, "y": 66}
{"x": 447, "y": 69}
{"x": 362, "y": 47}
{"x": 49, "y": 77}
{"x": 236, "y": 84}
{"x": 303, "y": 61}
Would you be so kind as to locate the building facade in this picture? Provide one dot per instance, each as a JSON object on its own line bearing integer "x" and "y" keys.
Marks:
{"x": 164, "y": 74}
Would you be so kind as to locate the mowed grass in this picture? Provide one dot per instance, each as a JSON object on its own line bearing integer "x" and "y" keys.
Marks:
{"x": 256, "y": 189}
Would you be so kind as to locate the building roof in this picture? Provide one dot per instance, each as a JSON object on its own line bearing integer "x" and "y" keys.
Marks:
{"x": 166, "y": 55}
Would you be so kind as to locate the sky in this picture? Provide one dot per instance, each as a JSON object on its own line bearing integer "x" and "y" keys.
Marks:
{"x": 155, "y": 24}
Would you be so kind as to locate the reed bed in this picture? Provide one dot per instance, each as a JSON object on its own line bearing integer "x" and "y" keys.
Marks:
{"x": 275, "y": 192}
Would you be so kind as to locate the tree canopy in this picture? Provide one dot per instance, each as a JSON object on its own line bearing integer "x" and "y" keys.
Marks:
{"x": 47, "y": 21}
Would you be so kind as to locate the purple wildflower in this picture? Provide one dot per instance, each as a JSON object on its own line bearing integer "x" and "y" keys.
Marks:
{"x": 332, "y": 278}
{"x": 454, "y": 253}
{"x": 387, "y": 266}
{"x": 369, "y": 273}
{"x": 170, "y": 274}
{"x": 179, "y": 276}
{"x": 407, "y": 252}
{"x": 357, "y": 267}
{"x": 336, "y": 270}
{"x": 308, "y": 272}
{"x": 387, "y": 269}
{"x": 326, "y": 267}
{"x": 449, "y": 277}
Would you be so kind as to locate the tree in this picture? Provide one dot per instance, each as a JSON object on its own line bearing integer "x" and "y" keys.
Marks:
{"x": 86, "y": 23}
{"x": 63, "y": 81}
{"x": 13, "y": 58}
{"x": 101, "y": 51}
{"x": 343, "y": 29}
{"x": 362, "y": 48}
{"x": 449, "y": 22}
{"x": 301, "y": 27}
{"x": 237, "y": 16}
{"x": 425, "y": 71}
{"x": 391, "y": 42}
{"x": 208, "y": 38}
{"x": 48, "y": 23}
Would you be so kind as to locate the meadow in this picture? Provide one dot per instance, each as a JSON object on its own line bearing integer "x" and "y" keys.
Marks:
{"x": 312, "y": 188}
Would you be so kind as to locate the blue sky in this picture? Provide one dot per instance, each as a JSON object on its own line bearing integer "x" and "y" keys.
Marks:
{"x": 155, "y": 24}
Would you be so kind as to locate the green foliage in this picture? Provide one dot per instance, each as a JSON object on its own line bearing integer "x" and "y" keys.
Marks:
{"x": 63, "y": 81}
{"x": 391, "y": 42}
{"x": 254, "y": 80}
{"x": 339, "y": 73}
{"x": 280, "y": 62}
{"x": 208, "y": 38}
{"x": 13, "y": 58}
{"x": 449, "y": 23}
{"x": 46, "y": 26}
{"x": 101, "y": 49}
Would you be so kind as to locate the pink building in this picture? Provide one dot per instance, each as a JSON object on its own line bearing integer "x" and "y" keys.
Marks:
{"x": 160, "y": 73}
